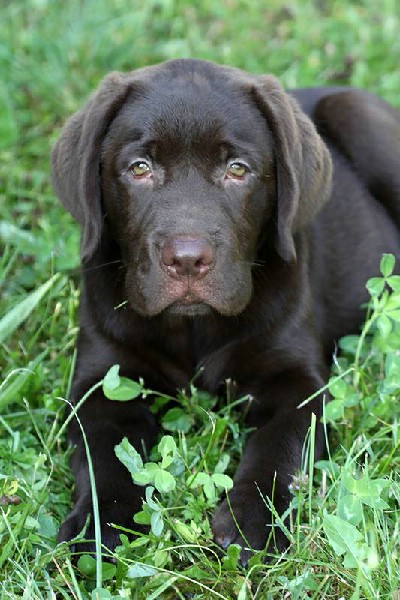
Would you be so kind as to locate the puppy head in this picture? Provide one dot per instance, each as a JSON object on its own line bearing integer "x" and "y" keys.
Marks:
{"x": 188, "y": 165}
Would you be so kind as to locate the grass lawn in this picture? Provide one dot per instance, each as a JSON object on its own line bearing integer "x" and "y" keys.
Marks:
{"x": 345, "y": 536}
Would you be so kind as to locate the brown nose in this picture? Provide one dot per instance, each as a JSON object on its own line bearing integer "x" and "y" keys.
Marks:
{"x": 190, "y": 257}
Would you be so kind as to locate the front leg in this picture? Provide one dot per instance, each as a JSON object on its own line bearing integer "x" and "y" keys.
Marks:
{"x": 271, "y": 458}
{"x": 105, "y": 423}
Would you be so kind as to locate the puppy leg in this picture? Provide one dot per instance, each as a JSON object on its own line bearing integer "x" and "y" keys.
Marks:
{"x": 105, "y": 424}
{"x": 271, "y": 458}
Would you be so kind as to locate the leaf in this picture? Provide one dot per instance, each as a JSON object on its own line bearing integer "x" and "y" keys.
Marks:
{"x": 167, "y": 448}
{"x": 338, "y": 388}
{"x": 230, "y": 561}
{"x": 209, "y": 489}
{"x": 108, "y": 570}
{"x": 140, "y": 570}
{"x": 157, "y": 523}
{"x": 350, "y": 561}
{"x": 176, "y": 419}
{"x": 344, "y": 538}
{"x": 199, "y": 479}
{"x": 185, "y": 532}
{"x": 349, "y": 343}
{"x": 392, "y": 303}
{"x": 352, "y": 399}
{"x": 143, "y": 477}
{"x": 87, "y": 565}
{"x": 330, "y": 467}
{"x": 334, "y": 410}
{"x": 31, "y": 523}
{"x": 394, "y": 282}
{"x": 161, "y": 558}
{"x": 384, "y": 325}
{"x": 375, "y": 286}
{"x": 392, "y": 369}
{"x": 151, "y": 468}
{"x": 394, "y": 315}
{"x": 222, "y": 464}
{"x": 167, "y": 445}
{"x": 19, "y": 313}
{"x": 164, "y": 482}
{"x": 223, "y": 481}
{"x": 368, "y": 490}
{"x": 350, "y": 509}
{"x": 149, "y": 498}
{"x": 125, "y": 390}
{"x": 48, "y": 527}
{"x": 112, "y": 379}
{"x": 129, "y": 457}
{"x": 387, "y": 264}
{"x": 143, "y": 517}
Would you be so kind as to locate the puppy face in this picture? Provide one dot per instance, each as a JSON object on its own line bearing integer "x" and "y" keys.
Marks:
{"x": 187, "y": 186}
{"x": 197, "y": 171}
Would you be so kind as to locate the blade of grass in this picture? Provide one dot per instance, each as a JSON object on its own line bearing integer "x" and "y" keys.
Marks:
{"x": 16, "y": 380}
{"x": 19, "y": 313}
{"x": 95, "y": 501}
{"x": 311, "y": 466}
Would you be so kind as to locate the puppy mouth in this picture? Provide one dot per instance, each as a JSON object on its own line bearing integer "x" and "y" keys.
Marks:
{"x": 188, "y": 299}
{"x": 186, "y": 296}
{"x": 189, "y": 304}
{"x": 188, "y": 308}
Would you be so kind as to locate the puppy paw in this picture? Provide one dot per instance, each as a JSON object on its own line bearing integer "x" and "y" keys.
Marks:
{"x": 246, "y": 520}
{"x": 80, "y": 524}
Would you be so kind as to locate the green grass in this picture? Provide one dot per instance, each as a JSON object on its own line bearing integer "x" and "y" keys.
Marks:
{"x": 346, "y": 538}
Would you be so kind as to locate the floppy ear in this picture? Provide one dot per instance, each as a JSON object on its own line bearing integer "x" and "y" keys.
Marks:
{"x": 76, "y": 158}
{"x": 303, "y": 162}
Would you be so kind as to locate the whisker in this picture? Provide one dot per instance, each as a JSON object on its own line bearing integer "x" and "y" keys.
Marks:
{"x": 78, "y": 270}
{"x": 97, "y": 267}
{"x": 258, "y": 263}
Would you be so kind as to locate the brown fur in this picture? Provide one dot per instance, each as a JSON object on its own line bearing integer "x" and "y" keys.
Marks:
{"x": 272, "y": 267}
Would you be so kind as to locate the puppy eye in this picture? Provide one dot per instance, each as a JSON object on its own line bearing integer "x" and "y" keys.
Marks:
{"x": 140, "y": 169}
{"x": 237, "y": 170}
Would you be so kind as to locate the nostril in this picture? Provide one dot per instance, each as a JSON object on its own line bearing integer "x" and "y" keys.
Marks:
{"x": 187, "y": 257}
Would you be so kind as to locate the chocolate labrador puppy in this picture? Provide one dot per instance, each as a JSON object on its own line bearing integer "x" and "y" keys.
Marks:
{"x": 229, "y": 225}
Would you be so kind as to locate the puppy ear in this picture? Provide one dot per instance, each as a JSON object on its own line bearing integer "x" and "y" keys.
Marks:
{"x": 303, "y": 162}
{"x": 76, "y": 158}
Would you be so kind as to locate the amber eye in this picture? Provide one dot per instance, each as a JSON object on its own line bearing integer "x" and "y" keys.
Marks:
{"x": 140, "y": 169}
{"x": 237, "y": 170}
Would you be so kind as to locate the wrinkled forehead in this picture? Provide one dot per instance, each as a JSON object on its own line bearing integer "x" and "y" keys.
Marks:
{"x": 186, "y": 113}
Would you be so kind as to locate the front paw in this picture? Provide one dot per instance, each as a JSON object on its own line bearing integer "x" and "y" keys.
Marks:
{"x": 80, "y": 523}
{"x": 247, "y": 521}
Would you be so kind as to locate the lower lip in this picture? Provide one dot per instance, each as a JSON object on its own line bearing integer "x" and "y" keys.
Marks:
{"x": 188, "y": 300}
{"x": 187, "y": 308}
